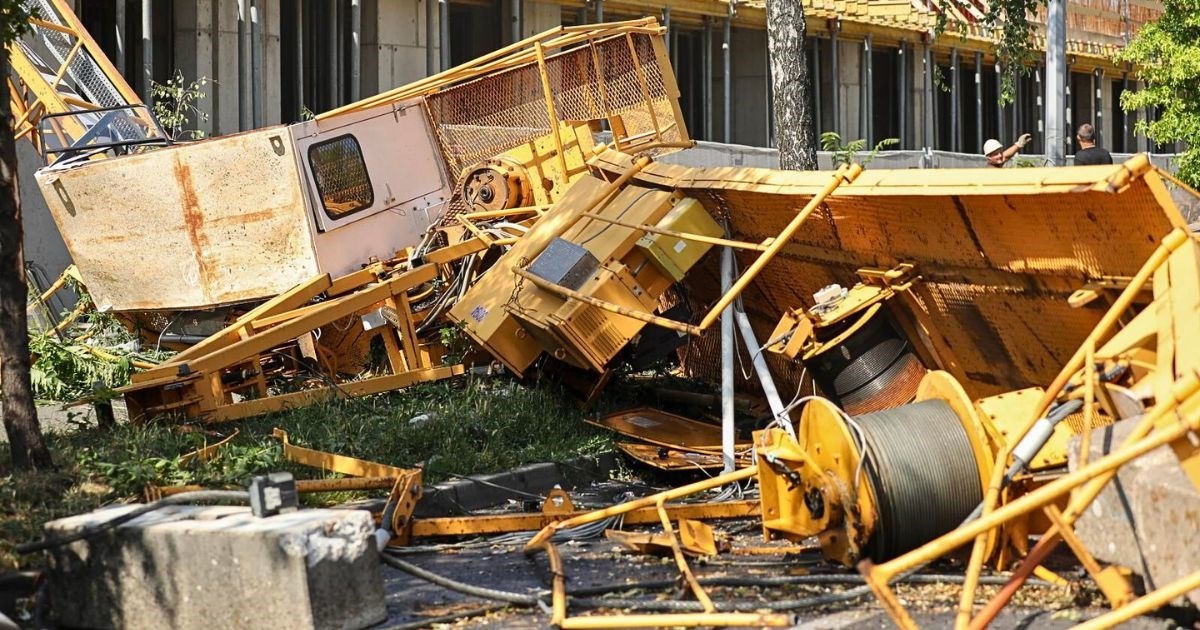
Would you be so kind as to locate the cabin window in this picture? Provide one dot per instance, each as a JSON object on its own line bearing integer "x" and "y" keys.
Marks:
{"x": 341, "y": 175}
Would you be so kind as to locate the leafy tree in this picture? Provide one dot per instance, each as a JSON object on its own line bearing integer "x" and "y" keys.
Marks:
{"x": 795, "y": 125}
{"x": 1015, "y": 49}
{"x": 28, "y": 448}
{"x": 1167, "y": 56}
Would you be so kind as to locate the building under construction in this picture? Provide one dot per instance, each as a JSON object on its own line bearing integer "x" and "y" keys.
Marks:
{"x": 881, "y": 72}
{"x": 987, "y": 350}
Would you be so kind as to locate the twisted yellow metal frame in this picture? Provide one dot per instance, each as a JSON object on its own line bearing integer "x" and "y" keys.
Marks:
{"x": 1174, "y": 417}
{"x": 541, "y": 542}
{"x": 769, "y": 249}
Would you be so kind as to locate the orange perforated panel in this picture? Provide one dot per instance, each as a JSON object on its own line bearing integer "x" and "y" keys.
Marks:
{"x": 997, "y": 251}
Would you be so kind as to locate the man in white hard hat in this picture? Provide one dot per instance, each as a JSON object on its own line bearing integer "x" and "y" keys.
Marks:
{"x": 998, "y": 156}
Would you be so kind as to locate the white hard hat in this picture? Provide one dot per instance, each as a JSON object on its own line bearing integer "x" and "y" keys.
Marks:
{"x": 991, "y": 146}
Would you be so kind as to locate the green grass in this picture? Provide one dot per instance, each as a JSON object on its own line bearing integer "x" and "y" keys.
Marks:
{"x": 475, "y": 426}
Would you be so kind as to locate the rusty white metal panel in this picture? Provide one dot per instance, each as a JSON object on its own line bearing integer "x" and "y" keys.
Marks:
{"x": 188, "y": 226}
{"x": 408, "y": 179}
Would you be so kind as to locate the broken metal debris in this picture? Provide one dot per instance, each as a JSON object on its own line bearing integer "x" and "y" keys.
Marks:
{"x": 925, "y": 427}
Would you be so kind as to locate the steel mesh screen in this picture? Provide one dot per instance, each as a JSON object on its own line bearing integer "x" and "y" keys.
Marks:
{"x": 620, "y": 76}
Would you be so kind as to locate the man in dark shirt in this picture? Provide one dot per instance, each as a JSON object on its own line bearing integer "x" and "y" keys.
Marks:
{"x": 1089, "y": 153}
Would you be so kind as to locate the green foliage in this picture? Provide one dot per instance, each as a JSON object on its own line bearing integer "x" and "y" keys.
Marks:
{"x": 1015, "y": 51}
{"x": 64, "y": 370}
{"x": 14, "y": 19}
{"x": 847, "y": 153}
{"x": 97, "y": 348}
{"x": 176, "y": 106}
{"x": 1167, "y": 56}
{"x": 456, "y": 343}
{"x": 135, "y": 457}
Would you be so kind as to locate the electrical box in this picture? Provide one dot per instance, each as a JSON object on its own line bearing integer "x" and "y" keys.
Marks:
{"x": 674, "y": 255}
{"x": 564, "y": 263}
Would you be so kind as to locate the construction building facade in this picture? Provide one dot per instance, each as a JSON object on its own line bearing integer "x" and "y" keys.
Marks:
{"x": 880, "y": 70}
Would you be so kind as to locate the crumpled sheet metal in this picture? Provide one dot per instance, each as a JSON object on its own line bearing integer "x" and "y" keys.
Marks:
{"x": 998, "y": 252}
{"x": 193, "y": 225}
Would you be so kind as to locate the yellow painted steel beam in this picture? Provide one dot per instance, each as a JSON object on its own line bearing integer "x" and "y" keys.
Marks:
{"x": 336, "y": 463}
{"x": 366, "y": 387}
{"x": 1145, "y": 604}
{"x": 289, "y": 300}
{"x": 505, "y": 523}
{"x": 1102, "y": 330}
{"x": 680, "y": 620}
{"x": 644, "y": 502}
{"x": 519, "y": 53}
{"x": 332, "y": 310}
{"x": 842, "y": 176}
{"x": 1183, "y": 411}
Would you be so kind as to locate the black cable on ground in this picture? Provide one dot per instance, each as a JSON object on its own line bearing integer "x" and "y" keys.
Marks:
{"x": 199, "y": 496}
{"x": 510, "y": 597}
{"x": 522, "y": 599}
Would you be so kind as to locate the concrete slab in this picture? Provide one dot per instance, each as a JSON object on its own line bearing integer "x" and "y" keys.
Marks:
{"x": 1143, "y": 519}
{"x": 193, "y": 567}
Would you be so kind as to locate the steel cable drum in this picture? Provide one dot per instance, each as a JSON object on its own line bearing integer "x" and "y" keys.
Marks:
{"x": 923, "y": 472}
{"x": 871, "y": 369}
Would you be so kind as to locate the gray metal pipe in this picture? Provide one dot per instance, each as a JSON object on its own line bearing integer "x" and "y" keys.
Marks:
{"x": 299, "y": 85}
{"x": 707, "y": 71}
{"x": 1017, "y": 119}
{"x": 727, "y": 79}
{"x": 835, "y": 83}
{"x": 119, "y": 35}
{"x": 256, "y": 62}
{"x": 431, "y": 57}
{"x": 1124, "y": 115}
{"x": 929, "y": 138}
{"x": 728, "y": 436}
{"x": 903, "y": 104}
{"x": 816, "y": 84}
{"x": 765, "y": 380}
{"x": 333, "y": 40}
{"x": 444, "y": 31}
{"x": 356, "y": 50}
{"x": 979, "y": 101}
{"x": 1000, "y": 126}
{"x": 147, "y": 51}
{"x": 1098, "y": 92}
{"x": 245, "y": 97}
{"x": 1055, "y": 86}
{"x": 666, "y": 16}
{"x": 599, "y": 11}
{"x": 1039, "y": 138}
{"x": 868, "y": 92}
{"x": 955, "y": 92}
{"x": 514, "y": 17}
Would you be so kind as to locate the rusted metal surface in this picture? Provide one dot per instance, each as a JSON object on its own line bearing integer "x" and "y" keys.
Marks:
{"x": 187, "y": 226}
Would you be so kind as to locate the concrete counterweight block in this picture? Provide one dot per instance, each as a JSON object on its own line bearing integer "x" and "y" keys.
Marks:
{"x": 198, "y": 567}
{"x": 1146, "y": 519}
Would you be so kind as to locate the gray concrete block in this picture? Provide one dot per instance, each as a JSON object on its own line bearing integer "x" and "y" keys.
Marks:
{"x": 187, "y": 567}
{"x": 1147, "y": 518}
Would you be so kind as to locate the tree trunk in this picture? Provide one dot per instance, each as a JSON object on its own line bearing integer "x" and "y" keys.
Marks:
{"x": 29, "y": 450}
{"x": 795, "y": 129}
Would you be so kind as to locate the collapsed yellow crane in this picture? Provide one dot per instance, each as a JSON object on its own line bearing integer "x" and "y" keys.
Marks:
{"x": 965, "y": 292}
{"x": 951, "y": 436}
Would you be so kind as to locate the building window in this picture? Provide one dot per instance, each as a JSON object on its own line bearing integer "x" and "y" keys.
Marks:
{"x": 341, "y": 176}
